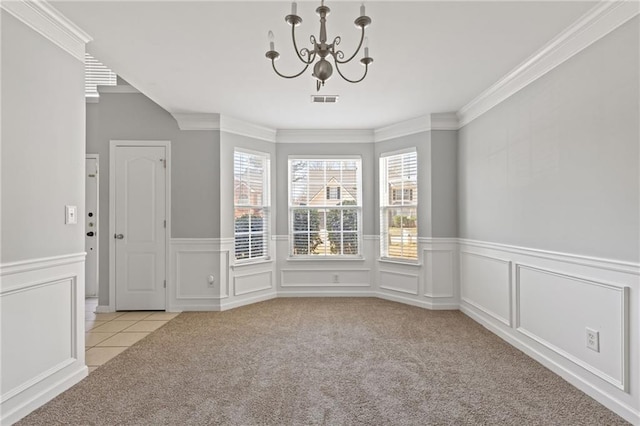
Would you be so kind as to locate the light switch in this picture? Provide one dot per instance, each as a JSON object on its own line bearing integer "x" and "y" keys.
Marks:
{"x": 71, "y": 215}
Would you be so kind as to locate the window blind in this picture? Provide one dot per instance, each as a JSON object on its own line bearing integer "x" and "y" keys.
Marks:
{"x": 399, "y": 206}
{"x": 96, "y": 74}
{"x": 325, "y": 206}
{"x": 251, "y": 205}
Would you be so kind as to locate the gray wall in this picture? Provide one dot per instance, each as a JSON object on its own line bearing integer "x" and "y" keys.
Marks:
{"x": 369, "y": 187}
{"x": 437, "y": 180}
{"x": 555, "y": 166}
{"x": 444, "y": 183}
{"x": 422, "y": 143}
{"x": 195, "y": 159}
{"x": 43, "y": 122}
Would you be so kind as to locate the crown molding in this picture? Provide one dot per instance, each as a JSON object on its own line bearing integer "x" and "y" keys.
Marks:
{"x": 603, "y": 18}
{"x": 324, "y": 136}
{"x": 445, "y": 121}
{"x": 43, "y": 18}
{"x": 243, "y": 128}
{"x": 197, "y": 121}
{"x": 403, "y": 128}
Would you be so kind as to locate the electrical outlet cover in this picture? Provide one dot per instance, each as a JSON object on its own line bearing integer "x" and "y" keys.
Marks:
{"x": 593, "y": 339}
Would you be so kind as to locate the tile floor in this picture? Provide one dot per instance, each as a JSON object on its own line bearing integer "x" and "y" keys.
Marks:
{"x": 107, "y": 335}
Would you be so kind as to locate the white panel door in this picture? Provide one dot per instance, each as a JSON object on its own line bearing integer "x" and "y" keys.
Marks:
{"x": 91, "y": 226}
{"x": 140, "y": 206}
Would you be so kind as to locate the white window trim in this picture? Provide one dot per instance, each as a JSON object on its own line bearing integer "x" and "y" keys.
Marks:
{"x": 359, "y": 197}
{"x": 384, "y": 195}
{"x": 266, "y": 206}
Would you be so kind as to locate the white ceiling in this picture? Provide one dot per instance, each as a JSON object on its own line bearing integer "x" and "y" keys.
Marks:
{"x": 208, "y": 56}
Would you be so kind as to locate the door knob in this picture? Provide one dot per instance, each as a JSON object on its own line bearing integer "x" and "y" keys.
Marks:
{"x": 118, "y": 236}
{"x": 90, "y": 234}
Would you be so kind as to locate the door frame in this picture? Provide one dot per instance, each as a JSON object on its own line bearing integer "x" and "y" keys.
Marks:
{"x": 97, "y": 221}
{"x": 113, "y": 145}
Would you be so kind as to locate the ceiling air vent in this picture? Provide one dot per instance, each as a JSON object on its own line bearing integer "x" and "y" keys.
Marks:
{"x": 324, "y": 99}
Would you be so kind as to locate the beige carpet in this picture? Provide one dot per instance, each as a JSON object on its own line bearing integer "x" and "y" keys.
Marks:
{"x": 323, "y": 361}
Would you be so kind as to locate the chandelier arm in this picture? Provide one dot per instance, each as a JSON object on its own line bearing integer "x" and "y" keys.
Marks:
{"x": 273, "y": 64}
{"x": 334, "y": 53}
{"x": 366, "y": 69}
{"x": 295, "y": 47}
{"x": 311, "y": 54}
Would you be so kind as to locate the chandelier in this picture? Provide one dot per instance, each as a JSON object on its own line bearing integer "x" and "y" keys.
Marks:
{"x": 323, "y": 69}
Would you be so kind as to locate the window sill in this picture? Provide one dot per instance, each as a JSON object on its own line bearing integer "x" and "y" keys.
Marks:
{"x": 325, "y": 259}
{"x": 400, "y": 262}
{"x": 252, "y": 263}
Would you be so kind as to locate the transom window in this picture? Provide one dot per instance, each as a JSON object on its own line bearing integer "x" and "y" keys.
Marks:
{"x": 399, "y": 205}
{"x": 325, "y": 206}
{"x": 251, "y": 204}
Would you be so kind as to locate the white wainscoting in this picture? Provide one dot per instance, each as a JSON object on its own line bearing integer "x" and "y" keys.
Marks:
{"x": 325, "y": 277}
{"x": 332, "y": 276}
{"x": 42, "y": 328}
{"x": 252, "y": 282}
{"x": 431, "y": 282}
{"x": 486, "y": 284}
{"x": 194, "y": 260}
{"x": 400, "y": 282}
{"x": 594, "y": 304}
{"x": 545, "y": 310}
{"x": 440, "y": 272}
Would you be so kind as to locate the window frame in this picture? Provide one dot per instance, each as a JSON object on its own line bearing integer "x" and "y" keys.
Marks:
{"x": 385, "y": 205}
{"x": 358, "y": 207}
{"x": 265, "y": 157}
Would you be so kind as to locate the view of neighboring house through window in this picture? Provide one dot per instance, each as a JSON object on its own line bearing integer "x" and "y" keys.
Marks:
{"x": 325, "y": 206}
{"x": 251, "y": 204}
{"x": 399, "y": 205}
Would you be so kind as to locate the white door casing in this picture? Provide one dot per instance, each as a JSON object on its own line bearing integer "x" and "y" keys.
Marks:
{"x": 91, "y": 225}
{"x": 139, "y": 207}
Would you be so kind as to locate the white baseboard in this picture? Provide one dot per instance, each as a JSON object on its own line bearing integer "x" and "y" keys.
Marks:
{"x": 327, "y": 293}
{"x": 226, "y": 305}
{"x": 515, "y": 340}
{"x": 53, "y": 390}
{"x": 104, "y": 309}
{"x": 421, "y": 303}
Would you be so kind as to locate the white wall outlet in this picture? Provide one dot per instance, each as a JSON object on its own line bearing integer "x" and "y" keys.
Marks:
{"x": 593, "y": 339}
{"x": 71, "y": 215}
{"x": 211, "y": 280}
{"x": 336, "y": 278}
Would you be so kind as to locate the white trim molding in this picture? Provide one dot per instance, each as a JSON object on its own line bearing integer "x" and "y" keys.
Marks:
{"x": 445, "y": 121}
{"x": 51, "y": 24}
{"x": 424, "y": 123}
{"x": 620, "y": 380}
{"x": 553, "y": 297}
{"x": 244, "y": 128}
{"x": 403, "y": 128}
{"x": 197, "y": 121}
{"x": 28, "y": 265}
{"x": 603, "y": 18}
{"x": 40, "y": 299}
{"x": 324, "y": 136}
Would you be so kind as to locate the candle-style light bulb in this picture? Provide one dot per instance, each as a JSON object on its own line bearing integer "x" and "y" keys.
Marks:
{"x": 366, "y": 47}
{"x": 294, "y": 8}
{"x": 271, "y": 43}
{"x": 362, "y": 10}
